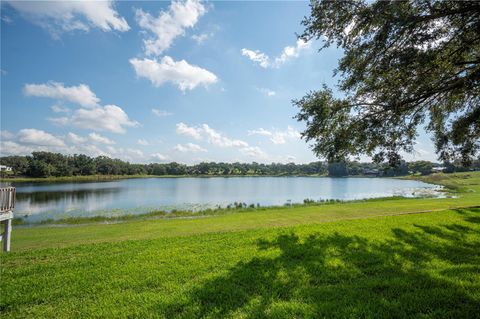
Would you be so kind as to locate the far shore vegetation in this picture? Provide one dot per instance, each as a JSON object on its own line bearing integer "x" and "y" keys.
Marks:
{"x": 55, "y": 167}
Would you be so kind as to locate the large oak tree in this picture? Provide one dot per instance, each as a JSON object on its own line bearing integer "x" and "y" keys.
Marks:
{"x": 405, "y": 64}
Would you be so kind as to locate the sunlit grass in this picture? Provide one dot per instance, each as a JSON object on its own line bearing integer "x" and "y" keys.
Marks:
{"x": 340, "y": 260}
{"x": 424, "y": 265}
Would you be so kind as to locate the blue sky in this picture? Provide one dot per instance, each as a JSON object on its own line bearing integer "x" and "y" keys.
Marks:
{"x": 186, "y": 81}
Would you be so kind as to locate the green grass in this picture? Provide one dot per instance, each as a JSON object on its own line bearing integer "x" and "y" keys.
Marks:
{"x": 371, "y": 259}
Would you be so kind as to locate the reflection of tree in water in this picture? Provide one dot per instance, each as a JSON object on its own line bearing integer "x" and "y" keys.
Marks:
{"x": 414, "y": 274}
{"x": 74, "y": 195}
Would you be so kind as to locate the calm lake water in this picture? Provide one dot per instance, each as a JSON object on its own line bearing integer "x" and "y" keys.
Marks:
{"x": 40, "y": 201}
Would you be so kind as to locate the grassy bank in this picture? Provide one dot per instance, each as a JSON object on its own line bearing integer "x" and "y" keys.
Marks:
{"x": 382, "y": 259}
{"x": 173, "y": 214}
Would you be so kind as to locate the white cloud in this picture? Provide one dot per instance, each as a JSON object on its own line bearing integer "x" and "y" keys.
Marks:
{"x": 143, "y": 142}
{"x": 291, "y": 52}
{"x": 33, "y": 136}
{"x": 280, "y": 137}
{"x": 159, "y": 157}
{"x": 214, "y": 137}
{"x": 97, "y": 138}
{"x": 6, "y": 135}
{"x": 256, "y": 56}
{"x": 169, "y": 24}
{"x": 134, "y": 152}
{"x": 161, "y": 113}
{"x": 184, "y": 129}
{"x": 109, "y": 118}
{"x": 76, "y": 139}
{"x": 254, "y": 151}
{"x": 219, "y": 139}
{"x": 288, "y": 53}
{"x": 260, "y": 131}
{"x": 13, "y": 148}
{"x": 277, "y": 137}
{"x": 60, "y": 108}
{"x": 63, "y": 16}
{"x": 207, "y": 133}
{"x": 30, "y": 140}
{"x": 80, "y": 94}
{"x": 267, "y": 92}
{"x": 127, "y": 154}
{"x": 189, "y": 147}
{"x": 185, "y": 76}
{"x": 200, "y": 38}
{"x": 91, "y": 138}
{"x": 87, "y": 149}
{"x": 27, "y": 141}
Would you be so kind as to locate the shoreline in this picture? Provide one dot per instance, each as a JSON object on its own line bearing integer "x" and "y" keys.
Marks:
{"x": 242, "y": 207}
{"x": 461, "y": 188}
{"x": 183, "y": 214}
{"x": 233, "y": 208}
{"x": 101, "y": 178}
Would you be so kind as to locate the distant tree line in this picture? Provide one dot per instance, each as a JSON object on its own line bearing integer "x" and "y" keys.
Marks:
{"x": 46, "y": 164}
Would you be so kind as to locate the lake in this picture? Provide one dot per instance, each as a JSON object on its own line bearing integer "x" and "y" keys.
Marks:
{"x": 40, "y": 201}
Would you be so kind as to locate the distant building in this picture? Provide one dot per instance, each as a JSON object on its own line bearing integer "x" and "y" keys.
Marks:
{"x": 438, "y": 169}
{"x": 371, "y": 172}
{"x": 4, "y": 168}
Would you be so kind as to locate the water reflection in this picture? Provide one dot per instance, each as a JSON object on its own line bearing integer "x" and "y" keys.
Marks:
{"x": 42, "y": 201}
{"x": 56, "y": 196}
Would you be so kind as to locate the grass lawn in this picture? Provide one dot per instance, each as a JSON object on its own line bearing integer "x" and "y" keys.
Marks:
{"x": 356, "y": 260}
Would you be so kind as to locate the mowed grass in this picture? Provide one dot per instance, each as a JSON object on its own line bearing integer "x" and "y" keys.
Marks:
{"x": 340, "y": 260}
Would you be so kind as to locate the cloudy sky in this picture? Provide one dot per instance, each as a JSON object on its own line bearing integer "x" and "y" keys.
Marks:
{"x": 185, "y": 81}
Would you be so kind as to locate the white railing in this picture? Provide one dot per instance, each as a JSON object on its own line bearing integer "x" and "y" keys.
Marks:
{"x": 7, "y": 199}
{"x": 7, "y": 203}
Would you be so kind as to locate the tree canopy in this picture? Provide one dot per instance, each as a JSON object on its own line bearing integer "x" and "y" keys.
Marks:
{"x": 46, "y": 164}
{"x": 405, "y": 64}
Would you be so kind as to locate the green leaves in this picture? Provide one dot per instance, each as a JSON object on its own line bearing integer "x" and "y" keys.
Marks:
{"x": 404, "y": 63}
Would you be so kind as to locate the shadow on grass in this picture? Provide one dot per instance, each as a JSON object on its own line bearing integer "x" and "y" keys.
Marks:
{"x": 427, "y": 272}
